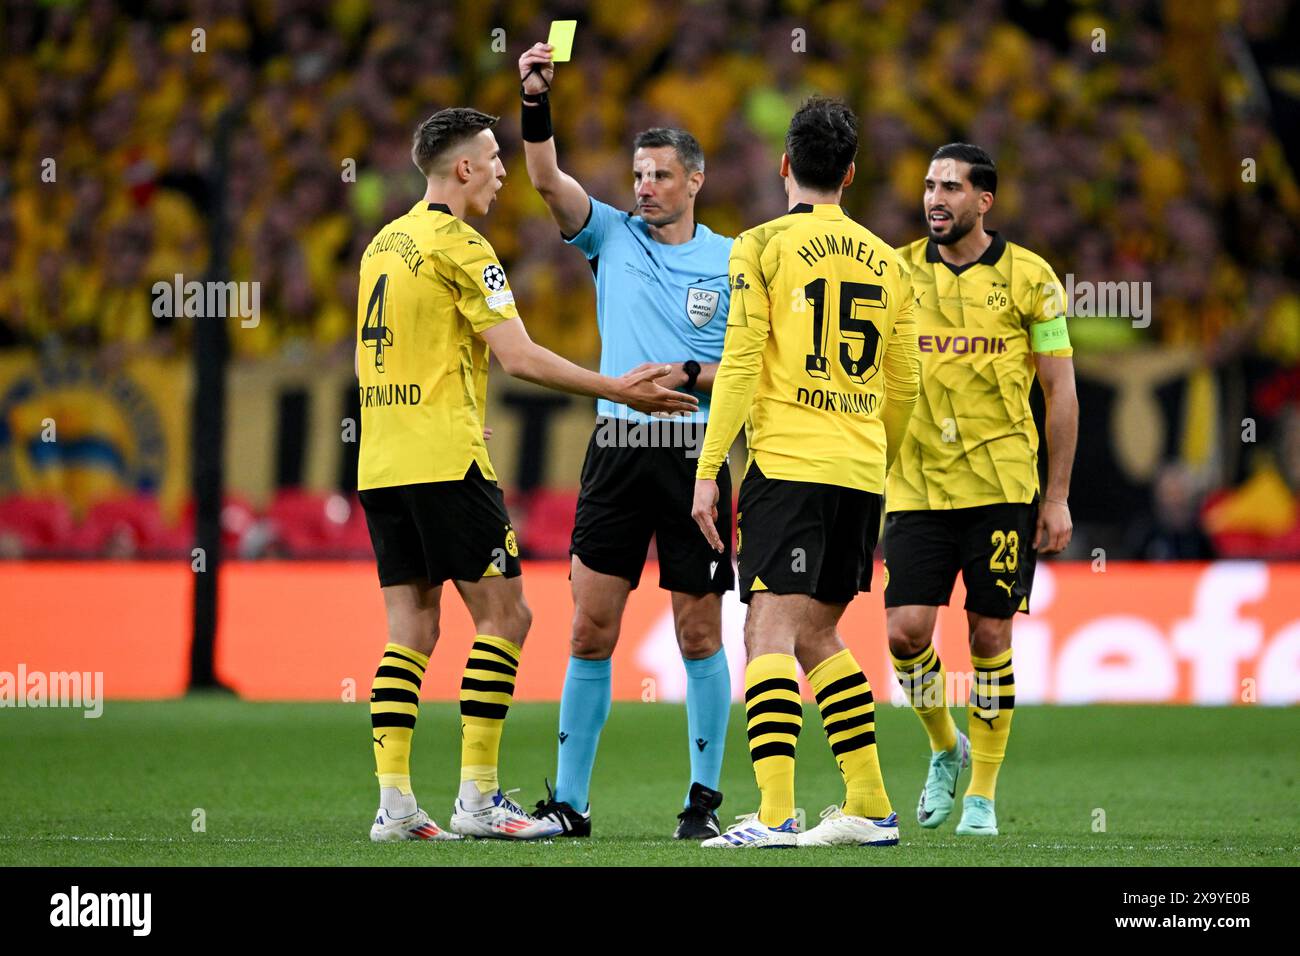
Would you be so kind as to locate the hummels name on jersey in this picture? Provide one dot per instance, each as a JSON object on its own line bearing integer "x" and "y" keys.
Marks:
{"x": 815, "y": 248}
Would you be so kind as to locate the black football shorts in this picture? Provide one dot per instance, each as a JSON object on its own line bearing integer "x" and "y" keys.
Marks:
{"x": 801, "y": 537}
{"x": 441, "y": 530}
{"x": 629, "y": 494}
{"x": 991, "y": 545}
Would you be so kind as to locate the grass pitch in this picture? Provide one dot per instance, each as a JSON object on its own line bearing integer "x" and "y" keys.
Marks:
{"x": 292, "y": 784}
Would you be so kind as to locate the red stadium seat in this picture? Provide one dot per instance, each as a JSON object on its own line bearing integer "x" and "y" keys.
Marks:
{"x": 545, "y": 522}
{"x": 128, "y": 527}
{"x": 308, "y": 524}
{"x": 239, "y": 520}
{"x": 133, "y": 526}
{"x": 35, "y": 527}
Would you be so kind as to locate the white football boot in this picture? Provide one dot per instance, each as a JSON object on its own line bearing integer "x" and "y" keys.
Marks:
{"x": 501, "y": 819}
{"x": 840, "y": 829}
{"x": 748, "y": 831}
{"x": 417, "y": 826}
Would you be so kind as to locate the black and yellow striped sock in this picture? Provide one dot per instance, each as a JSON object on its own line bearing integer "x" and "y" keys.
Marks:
{"x": 394, "y": 706}
{"x": 849, "y": 717}
{"x": 774, "y": 715}
{"x": 924, "y": 682}
{"x": 992, "y": 705}
{"x": 485, "y": 694}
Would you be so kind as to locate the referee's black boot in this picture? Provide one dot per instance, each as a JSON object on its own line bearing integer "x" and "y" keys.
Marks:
{"x": 575, "y": 824}
{"x": 699, "y": 821}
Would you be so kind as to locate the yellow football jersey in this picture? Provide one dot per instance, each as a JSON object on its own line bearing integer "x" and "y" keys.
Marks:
{"x": 820, "y": 349}
{"x": 430, "y": 284}
{"x": 972, "y": 439}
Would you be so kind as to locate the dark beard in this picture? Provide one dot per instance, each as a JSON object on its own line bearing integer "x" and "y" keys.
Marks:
{"x": 955, "y": 234}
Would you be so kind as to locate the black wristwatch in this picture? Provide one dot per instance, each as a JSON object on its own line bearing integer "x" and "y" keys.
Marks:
{"x": 692, "y": 370}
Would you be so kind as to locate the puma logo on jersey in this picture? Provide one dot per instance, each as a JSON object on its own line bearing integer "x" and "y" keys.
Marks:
{"x": 1003, "y": 584}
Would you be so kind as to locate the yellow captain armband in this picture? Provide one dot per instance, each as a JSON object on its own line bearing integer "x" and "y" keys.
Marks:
{"x": 1050, "y": 336}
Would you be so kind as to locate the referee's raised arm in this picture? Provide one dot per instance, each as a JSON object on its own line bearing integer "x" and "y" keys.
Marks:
{"x": 564, "y": 195}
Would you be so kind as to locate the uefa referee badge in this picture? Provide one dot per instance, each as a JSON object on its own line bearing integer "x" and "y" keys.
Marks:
{"x": 701, "y": 305}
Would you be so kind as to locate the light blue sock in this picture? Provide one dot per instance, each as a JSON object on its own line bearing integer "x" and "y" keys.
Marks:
{"x": 584, "y": 707}
{"x": 708, "y": 705}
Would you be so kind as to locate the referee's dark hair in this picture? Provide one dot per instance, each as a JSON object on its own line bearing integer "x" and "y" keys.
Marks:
{"x": 821, "y": 143}
{"x": 443, "y": 130}
{"x": 687, "y": 146}
{"x": 983, "y": 174}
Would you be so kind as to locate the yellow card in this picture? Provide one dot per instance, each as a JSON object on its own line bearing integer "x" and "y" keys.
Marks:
{"x": 561, "y": 39}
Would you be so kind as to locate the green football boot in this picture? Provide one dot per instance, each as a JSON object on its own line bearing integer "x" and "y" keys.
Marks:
{"x": 977, "y": 817}
{"x": 941, "y": 783}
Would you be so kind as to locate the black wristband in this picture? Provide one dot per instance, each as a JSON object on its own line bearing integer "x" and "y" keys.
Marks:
{"x": 692, "y": 370}
{"x": 535, "y": 121}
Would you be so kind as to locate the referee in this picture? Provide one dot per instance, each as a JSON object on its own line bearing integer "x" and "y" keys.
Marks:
{"x": 661, "y": 297}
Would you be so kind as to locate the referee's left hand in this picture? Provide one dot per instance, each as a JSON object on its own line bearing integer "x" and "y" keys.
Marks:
{"x": 1054, "y": 527}
{"x": 705, "y": 511}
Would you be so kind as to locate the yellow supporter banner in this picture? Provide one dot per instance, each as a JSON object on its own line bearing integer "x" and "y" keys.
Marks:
{"x": 83, "y": 430}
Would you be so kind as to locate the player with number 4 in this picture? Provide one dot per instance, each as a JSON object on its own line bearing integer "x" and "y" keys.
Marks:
{"x": 433, "y": 300}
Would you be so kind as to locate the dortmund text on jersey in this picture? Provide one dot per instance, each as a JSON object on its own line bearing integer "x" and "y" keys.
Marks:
{"x": 430, "y": 285}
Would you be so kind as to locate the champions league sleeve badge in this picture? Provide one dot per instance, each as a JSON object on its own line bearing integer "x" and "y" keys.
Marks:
{"x": 494, "y": 277}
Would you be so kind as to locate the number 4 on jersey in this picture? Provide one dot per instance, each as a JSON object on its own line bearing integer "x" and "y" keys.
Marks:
{"x": 374, "y": 334}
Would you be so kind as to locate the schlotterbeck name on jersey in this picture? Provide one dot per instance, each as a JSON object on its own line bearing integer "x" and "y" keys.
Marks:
{"x": 845, "y": 403}
{"x": 378, "y": 396}
{"x": 406, "y": 248}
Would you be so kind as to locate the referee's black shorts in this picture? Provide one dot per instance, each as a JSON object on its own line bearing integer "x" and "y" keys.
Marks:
{"x": 441, "y": 530}
{"x": 632, "y": 490}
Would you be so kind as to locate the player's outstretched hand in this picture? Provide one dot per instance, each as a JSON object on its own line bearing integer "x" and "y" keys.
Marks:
{"x": 674, "y": 377}
{"x": 705, "y": 511}
{"x": 1054, "y": 527}
{"x": 638, "y": 389}
{"x": 538, "y": 81}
